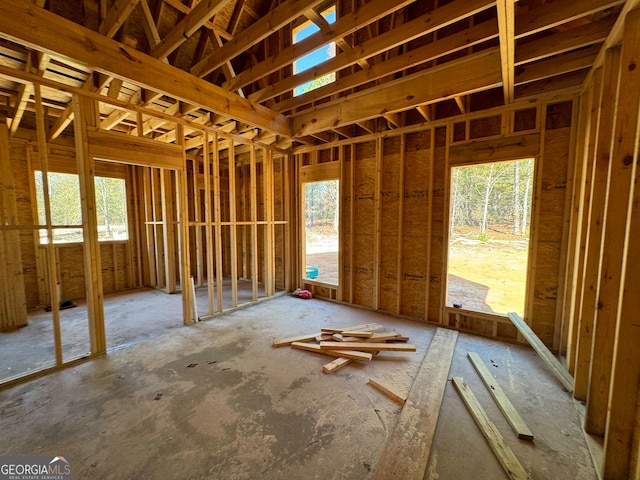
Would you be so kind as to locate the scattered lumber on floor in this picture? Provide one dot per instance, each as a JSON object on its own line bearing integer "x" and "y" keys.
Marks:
{"x": 543, "y": 352}
{"x": 369, "y": 347}
{"x": 406, "y": 452}
{"x": 507, "y": 459}
{"x": 388, "y": 391}
{"x": 506, "y": 407}
{"x": 358, "y": 342}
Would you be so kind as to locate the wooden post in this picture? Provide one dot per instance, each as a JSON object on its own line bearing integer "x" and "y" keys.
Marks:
{"x": 52, "y": 278}
{"x": 579, "y": 350}
{"x": 269, "y": 277}
{"x": 233, "y": 226}
{"x": 286, "y": 160}
{"x": 399, "y": 245}
{"x": 591, "y": 266}
{"x": 167, "y": 195}
{"x": 13, "y": 304}
{"x": 377, "y": 230}
{"x": 218, "y": 220}
{"x": 575, "y": 234}
{"x": 620, "y": 273}
{"x": 86, "y": 115}
{"x": 188, "y": 300}
{"x": 254, "y": 225}
{"x": 206, "y": 158}
{"x": 602, "y": 320}
{"x": 197, "y": 218}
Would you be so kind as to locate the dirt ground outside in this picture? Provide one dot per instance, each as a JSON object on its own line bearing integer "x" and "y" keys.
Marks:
{"x": 322, "y": 245}
{"x": 489, "y": 275}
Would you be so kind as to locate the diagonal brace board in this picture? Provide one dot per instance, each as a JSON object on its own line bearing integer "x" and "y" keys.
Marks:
{"x": 406, "y": 452}
{"x": 505, "y": 405}
{"x": 543, "y": 352}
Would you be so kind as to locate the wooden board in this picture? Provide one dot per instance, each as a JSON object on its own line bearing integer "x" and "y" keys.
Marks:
{"x": 337, "y": 364}
{"x": 360, "y": 334}
{"x": 372, "y": 347}
{"x": 547, "y": 357}
{"x": 368, "y": 327}
{"x": 507, "y": 459}
{"x": 300, "y": 338}
{"x": 378, "y": 385}
{"x": 505, "y": 405}
{"x": 310, "y": 347}
{"x": 406, "y": 452}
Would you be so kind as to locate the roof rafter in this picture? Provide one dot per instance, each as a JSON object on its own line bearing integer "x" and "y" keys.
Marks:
{"x": 116, "y": 16}
{"x": 345, "y": 25}
{"x": 431, "y": 51}
{"x": 186, "y": 27}
{"x": 115, "y": 59}
{"x": 276, "y": 19}
{"x": 416, "y": 28}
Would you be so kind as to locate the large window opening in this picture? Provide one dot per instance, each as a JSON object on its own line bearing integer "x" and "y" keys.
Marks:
{"x": 321, "y": 235}
{"x": 317, "y": 56}
{"x": 66, "y": 209}
{"x": 489, "y": 236}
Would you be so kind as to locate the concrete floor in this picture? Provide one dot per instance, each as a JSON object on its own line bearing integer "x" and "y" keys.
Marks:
{"x": 216, "y": 401}
{"x": 31, "y": 348}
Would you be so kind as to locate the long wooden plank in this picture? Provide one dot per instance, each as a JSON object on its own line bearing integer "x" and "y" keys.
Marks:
{"x": 378, "y": 385}
{"x": 37, "y": 26}
{"x": 543, "y": 352}
{"x": 505, "y": 405}
{"x": 311, "y": 347}
{"x": 406, "y": 452}
{"x": 371, "y": 347}
{"x": 507, "y": 459}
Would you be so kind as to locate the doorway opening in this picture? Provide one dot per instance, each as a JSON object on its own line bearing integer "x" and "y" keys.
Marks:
{"x": 321, "y": 231}
{"x": 490, "y": 210}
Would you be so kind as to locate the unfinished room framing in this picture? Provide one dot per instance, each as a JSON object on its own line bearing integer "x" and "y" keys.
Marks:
{"x": 163, "y": 163}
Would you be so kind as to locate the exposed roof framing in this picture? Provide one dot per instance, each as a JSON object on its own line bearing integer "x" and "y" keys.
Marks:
{"x": 228, "y": 64}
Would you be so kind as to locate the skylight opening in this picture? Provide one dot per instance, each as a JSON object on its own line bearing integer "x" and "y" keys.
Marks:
{"x": 316, "y": 57}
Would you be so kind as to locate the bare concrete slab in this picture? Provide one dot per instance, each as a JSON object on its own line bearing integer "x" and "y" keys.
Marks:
{"x": 217, "y": 401}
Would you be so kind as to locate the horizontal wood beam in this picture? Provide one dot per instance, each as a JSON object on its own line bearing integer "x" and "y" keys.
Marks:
{"x": 564, "y": 41}
{"x": 473, "y": 73}
{"x": 270, "y": 23}
{"x": 552, "y": 14}
{"x": 37, "y": 27}
{"x": 431, "y": 51}
{"x": 124, "y": 148}
{"x": 566, "y": 63}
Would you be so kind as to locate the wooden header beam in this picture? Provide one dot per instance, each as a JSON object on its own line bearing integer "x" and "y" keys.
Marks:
{"x": 473, "y": 73}
{"x": 35, "y": 27}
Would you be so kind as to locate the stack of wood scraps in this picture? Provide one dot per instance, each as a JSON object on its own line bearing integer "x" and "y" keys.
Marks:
{"x": 360, "y": 342}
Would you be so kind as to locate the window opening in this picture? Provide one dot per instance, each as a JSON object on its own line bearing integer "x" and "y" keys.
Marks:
{"x": 66, "y": 209}
{"x": 321, "y": 212}
{"x": 317, "y": 56}
{"x": 489, "y": 236}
